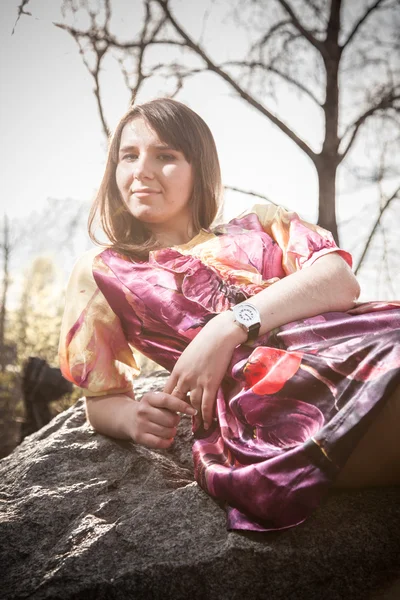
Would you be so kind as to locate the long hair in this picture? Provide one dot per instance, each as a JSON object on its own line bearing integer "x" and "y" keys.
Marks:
{"x": 183, "y": 129}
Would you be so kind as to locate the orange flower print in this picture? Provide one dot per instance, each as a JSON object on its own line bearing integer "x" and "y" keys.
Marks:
{"x": 268, "y": 369}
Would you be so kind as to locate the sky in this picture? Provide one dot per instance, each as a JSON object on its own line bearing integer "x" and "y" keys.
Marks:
{"x": 53, "y": 148}
{"x": 48, "y": 108}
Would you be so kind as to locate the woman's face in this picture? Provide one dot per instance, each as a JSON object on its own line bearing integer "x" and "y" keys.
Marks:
{"x": 155, "y": 181}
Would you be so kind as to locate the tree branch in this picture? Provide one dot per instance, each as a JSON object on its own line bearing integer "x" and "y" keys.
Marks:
{"x": 360, "y": 22}
{"x": 110, "y": 40}
{"x": 242, "y": 93}
{"x": 6, "y": 250}
{"x": 139, "y": 70}
{"x": 304, "y": 32}
{"x": 250, "y": 193}
{"x": 95, "y": 72}
{"x": 387, "y": 101}
{"x": 156, "y": 29}
{"x": 267, "y": 36}
{"x": 175, "y": 66}
{"x": 315, "y": 8}
{"x": 287, "y": 78}
{"x": 375, "y": 227}
{"x": 21, "y": 11}
{"x": 387, "y": 259}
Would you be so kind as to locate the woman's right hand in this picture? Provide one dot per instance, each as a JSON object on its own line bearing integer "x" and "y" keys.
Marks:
{"x": 156, "y": 419}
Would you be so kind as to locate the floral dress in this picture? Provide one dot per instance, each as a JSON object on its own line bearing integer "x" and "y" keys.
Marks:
{"x": 293, "y": 404}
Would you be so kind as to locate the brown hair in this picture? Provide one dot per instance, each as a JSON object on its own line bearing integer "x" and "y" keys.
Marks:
{"x": 183, "y": 129}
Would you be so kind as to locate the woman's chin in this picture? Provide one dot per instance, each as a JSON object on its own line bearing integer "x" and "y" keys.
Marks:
{"x": 145, "y": 213}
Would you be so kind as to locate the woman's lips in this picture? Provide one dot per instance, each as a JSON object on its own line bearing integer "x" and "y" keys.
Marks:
{"x": 144, "y": 193}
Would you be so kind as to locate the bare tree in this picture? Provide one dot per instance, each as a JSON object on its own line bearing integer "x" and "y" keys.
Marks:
{"x": 382, "y": 241}
{"x": 23, "y": 241}
{"x": 341, "y": 57}
{"x": 330, "y": 53}
{"x": 9, "y": 241}
{"x": 5, "y": 250}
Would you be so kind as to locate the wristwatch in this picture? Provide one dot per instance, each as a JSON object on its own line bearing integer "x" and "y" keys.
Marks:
{"x": 248, "y": 318}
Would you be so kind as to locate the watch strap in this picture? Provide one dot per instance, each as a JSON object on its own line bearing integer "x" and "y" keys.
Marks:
{"x": 251, "y": 330}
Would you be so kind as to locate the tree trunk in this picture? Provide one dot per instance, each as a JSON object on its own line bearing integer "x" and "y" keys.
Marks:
{"x": 6, "y": 254}
{"x": 327, "y": 196}
{"x": 328, "y": 159}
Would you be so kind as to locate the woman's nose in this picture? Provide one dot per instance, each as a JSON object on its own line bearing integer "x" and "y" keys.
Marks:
{"x": 142, "y": 168}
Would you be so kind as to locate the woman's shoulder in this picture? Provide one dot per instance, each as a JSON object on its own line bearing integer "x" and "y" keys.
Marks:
{"x": 259, "y": 216}
{"x": 89, "y": 256}
{"x": 268, "y": 212}
{"x": 82, "y": 271}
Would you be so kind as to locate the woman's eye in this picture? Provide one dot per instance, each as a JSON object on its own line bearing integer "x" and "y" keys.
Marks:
{"x": 129, "y": 157}
{"x": 166, "y": 157}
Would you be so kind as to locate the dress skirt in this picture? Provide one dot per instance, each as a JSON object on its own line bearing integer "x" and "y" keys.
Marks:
{"x": 293, "y": 410}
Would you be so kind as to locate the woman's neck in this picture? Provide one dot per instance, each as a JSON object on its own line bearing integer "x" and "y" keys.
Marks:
{"x": 175, "y": 236}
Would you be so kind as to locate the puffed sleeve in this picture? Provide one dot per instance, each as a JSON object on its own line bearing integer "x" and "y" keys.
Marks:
{"x": 302, "y": 243}
{"x": 93, "y": 351}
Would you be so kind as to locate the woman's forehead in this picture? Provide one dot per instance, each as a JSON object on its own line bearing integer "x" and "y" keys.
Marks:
{"x": 139, "y": 132}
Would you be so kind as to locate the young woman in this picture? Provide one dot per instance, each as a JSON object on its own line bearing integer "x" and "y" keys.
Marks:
{"x": 291, "y": 385}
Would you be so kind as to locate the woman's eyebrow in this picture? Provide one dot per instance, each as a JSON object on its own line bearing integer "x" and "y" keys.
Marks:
{"x": 165, "y": 147}
{"x": 156, "y": 147}
{"x": 127, "y": 148}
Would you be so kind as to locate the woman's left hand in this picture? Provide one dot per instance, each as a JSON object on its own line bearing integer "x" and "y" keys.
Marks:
{"x": 202, "y": 365}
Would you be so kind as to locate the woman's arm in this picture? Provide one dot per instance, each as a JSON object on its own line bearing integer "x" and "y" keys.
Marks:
{"x": 327, "y": 285}
{"x": 152, "y": 421}
{"x": 110, "y": 414}
{"x": 95, "y": 355}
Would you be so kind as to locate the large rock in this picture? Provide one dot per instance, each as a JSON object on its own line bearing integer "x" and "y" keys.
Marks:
{"x": 87, "y": 517}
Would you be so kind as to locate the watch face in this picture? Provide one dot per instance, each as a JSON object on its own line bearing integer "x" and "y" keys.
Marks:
{"x": 246, "y": 314}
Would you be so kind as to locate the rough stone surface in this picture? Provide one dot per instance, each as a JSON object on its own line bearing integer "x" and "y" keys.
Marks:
{"x": 85, "y": 517}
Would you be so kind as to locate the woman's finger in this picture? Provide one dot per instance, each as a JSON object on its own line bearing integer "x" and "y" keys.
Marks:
{"x": 169, "y": 402}
{"x": 172, "y": 387}
{"x": 160, "y": 431}
{"x": 207, "y": 407}
{"x": 163, "y": 417}
{"x": 153, "y": 441}
{"x": 195, "y": 398}
{"x": 176, "y": 388}
{"x": 178, "y": 393}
